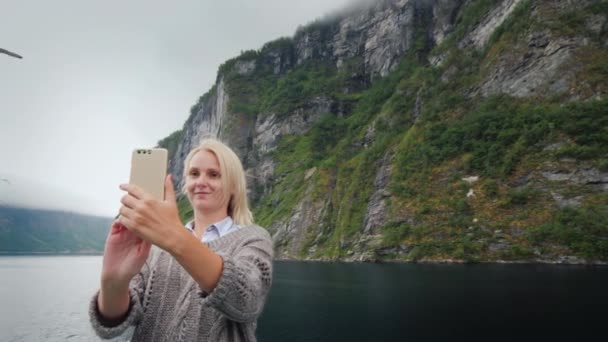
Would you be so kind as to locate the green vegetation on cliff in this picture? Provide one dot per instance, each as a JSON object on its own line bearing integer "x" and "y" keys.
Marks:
{"x": 536, "y": 158}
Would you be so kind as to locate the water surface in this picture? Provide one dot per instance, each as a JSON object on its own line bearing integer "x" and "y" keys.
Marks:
{"x": 45, "y": 298}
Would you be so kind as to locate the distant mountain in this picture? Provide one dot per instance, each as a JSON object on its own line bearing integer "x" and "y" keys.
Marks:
{"x": 24, "y": 231}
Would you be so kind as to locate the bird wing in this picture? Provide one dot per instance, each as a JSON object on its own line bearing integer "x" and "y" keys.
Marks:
{"x": 6, "y": 52}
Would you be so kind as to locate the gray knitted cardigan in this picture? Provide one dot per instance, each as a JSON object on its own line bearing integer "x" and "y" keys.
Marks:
{"x": 168, "y": 305}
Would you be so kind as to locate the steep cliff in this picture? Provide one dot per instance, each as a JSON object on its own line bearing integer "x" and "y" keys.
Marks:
{"x": 423, "y": 130}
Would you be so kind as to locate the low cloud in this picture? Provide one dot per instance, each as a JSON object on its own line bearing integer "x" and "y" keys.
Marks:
{"x": 16, "y": 191}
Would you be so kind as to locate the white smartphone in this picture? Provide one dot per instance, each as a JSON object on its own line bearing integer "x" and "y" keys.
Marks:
{"x": 149, "y": 169}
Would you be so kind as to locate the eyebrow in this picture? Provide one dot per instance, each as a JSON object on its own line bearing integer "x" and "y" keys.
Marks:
{"x": 194, "y": 168}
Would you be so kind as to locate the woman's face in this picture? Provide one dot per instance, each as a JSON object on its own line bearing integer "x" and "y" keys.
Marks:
{"x": 204, "y": 183}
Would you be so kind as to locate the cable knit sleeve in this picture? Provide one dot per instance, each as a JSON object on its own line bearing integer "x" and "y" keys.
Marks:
{"x": 137, "y": 287}
{"x": 245, "y": 280}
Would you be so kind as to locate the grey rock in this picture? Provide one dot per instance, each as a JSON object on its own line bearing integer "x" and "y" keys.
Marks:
{"x": 305, "y": 47}
{"x": 245, "y": 67}
{"x": 521, "y": 181}
{"x": 535, "y": 71}
{"x": 380, "y": 34}
{"x": 305, "y": 219}
{"x": 309, "y": 173}
{"x": 269, "y": 127}
{"x": 264, "y": 171}
{"x": 384, "y": 251}
{"x": 557, "y": 176}
{"x": 388, "y": 251}
{"x": 268, "y": 130}
{"x": 595, "y": 23}
{"x": 538, "y": 40}
{"x": 471, "y": 193}
{"x": 517, "y": 232}
{"x": 449, "y": 74}
{"x": 276, "y": 62}
{"x": 501, "y": 245}
{"x": 444, "y": 17}
{"x": 404, "y": 249}
{"x": 376, "y": 215}
{"x": 581, "y": 176}
{"x": 591, "y": 176}
{"x": 417, "y": 106}
{"x": 471, "y": 179}
{"x": 569, "y": 259}
{"x": 281, "y": 58}
{"x": 563, "y": 202}
{"x": 554, "y": 146}
{"x": 437, "y": 60}
{"x": 480, "y": 35}
{"x": 370, "y": 134}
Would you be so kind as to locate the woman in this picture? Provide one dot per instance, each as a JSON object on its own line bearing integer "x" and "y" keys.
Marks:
{"x": 207, "y": 281}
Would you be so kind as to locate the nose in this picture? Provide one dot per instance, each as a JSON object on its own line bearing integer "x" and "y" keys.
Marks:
{"x": 201, "y": 182}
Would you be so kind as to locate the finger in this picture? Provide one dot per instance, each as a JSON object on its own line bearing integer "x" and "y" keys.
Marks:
{"x": 126, "y": 222}
{"x": 117, "y": 226}
{"x": 129, "y": 201}
{"x": 133, "y": 190}
{"x": 128, "y": 214}
{"x": 169, "y": 190}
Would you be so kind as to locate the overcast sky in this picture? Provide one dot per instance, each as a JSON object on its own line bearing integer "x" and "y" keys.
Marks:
{"x": 100, "y": 78}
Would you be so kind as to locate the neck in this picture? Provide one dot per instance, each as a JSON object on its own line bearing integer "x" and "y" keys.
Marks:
{"x": 204, "y": 220}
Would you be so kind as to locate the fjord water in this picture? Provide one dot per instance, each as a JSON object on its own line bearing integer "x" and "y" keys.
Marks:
{"x": 45, "y": 298}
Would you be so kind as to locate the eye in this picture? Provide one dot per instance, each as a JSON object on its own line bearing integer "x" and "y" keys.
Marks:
{"x": 193, "y": 173}
{"x": 214, "y": 174}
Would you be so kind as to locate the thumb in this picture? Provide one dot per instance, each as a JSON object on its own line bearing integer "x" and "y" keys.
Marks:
{"x": 169, "y": 191}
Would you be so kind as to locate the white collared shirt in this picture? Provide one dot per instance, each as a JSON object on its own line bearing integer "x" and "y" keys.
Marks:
{"x": 216, "y": 230}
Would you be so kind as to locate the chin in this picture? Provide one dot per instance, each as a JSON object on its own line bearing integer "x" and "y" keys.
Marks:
{"x": 203, "y": 206}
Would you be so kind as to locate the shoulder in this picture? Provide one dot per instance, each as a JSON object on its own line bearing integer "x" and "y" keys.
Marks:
{"x": 256, "y": 238}
{"x": 254, "y": 231}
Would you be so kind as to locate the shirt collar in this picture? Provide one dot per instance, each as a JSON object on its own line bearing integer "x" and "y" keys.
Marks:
{"x": 222, "y": 226}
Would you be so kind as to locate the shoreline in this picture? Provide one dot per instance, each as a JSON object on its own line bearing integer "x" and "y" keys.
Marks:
{"x": 2, "y": 253}
{"x": 578, "y": 262}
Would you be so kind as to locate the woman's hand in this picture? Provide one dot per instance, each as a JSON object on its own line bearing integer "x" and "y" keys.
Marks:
{"x": 153, "y": 220}
{"x": 124, "y": 255}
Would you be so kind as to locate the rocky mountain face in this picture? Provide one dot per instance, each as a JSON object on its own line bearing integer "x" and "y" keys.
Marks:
{"x": 457, "y": 130}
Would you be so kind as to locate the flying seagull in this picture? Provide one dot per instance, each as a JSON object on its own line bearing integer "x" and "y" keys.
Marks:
{"x": 6, "y": 52}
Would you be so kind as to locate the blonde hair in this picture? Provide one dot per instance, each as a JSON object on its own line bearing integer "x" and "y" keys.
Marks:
{"x": 233, "y": 179}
